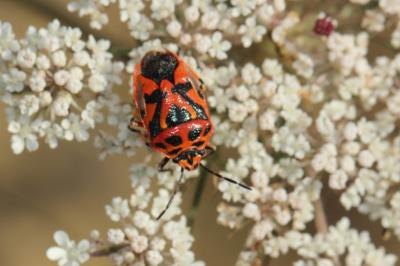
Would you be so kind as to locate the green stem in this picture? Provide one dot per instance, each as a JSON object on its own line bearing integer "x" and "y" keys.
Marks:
{"x": 197, "y": 197}
{"x": 108, "y": 250}
{"x": 120, "y": 53}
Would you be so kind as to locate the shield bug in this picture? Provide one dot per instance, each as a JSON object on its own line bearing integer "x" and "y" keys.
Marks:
{"x": 172, "y": 113}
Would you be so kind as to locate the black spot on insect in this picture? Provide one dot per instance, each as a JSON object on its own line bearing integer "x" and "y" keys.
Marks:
{"x": 174, "y": 140}
{"x": 155, "y": 98}
{"x": 208, "y": 128}
{"x": 175, "y": 151}
{"x": 198, "y": 143}
{"x": 182, "y": 89}
{"x": 160, "y": 145}
{"x": 158, "y": 66}
{"x": 194, "y": 133}
{"x": 177, "y": 116}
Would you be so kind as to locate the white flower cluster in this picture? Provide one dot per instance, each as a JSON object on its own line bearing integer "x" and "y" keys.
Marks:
{"x": 93, "y": 8}
{"x": 220, "y": 23}
{"x": 139, "y": 239}
{"x": 354, "y": 247}
{"x": 385, "y": 14}
{"x": 53, "y": 83}
{"x": 68, "y": 252}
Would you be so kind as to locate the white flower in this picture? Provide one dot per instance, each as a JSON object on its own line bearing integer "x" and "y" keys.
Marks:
{"x": 29, "y": 105}
{"x": 251, "y": 74}
{"x": 390, "y": 6}
{"x": 192, "y": 14}
{"x": 291, "y": 170}
{"x": 91, "y": 114}
{"x": 23, "y": 135}
{"x": 8, "y": 44}
{"x": 251, "y": 32}
{"x": 139, "y": 244}
{"x": 348, "y": 164}
{"x": 91, "y": 8}
{"x": 140, "y": 27}
{"x": 115, "y": 236}
{"x": 243, "y": 7}
{"x": 304, "y": 65}
{"x": 210, "y": 19}
{"x": 366, "y": 158}
{"x": 154, "y": 257}
{"x": 252, "y": 211}
{"x": 203, "y": 43}
{"x": 59, "y": 59}
{"x": 67, "y": 253}
{"x": 367, "y": 130}
{"x": 14, "y": 80}
{"x": 61, "y": 104}
{"x": 43, "y": 62}
{"x": 129, "y": 8}
{"x": 268, "y": 119}
{"x": 273, "y": 69}
{"x": 162, "y": 9}
{"x": 97, "y": 82}
{"x": 74, "y": 128}
{"x": 219, "y": 47}
{"x": 350, "y": 131}
{"x": 26, "y": 58}
{"x": 141, "y": 219}
{"x": 81, "y": 58}
{"x": 237, "y": 112}
{"x": 174, "y": 28}
{"x": 395, "y": 40}
{"x": 374, "y": 20}
{"x": 37, "y": 82}
{"x": 61, "y": 77}
{"x": 118, "y": 209}
{"x": 338, "y": 179}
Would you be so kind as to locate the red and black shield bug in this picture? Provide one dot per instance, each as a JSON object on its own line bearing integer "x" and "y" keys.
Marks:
{"x": 172, "y": 113}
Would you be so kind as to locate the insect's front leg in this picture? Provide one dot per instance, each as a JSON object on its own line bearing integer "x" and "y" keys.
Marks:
{"x": 162, "y": 164}
{"x": 209, "y": 150}
{"x": 136, "y": 126}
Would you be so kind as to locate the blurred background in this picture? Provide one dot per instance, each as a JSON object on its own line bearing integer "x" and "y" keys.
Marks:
{"x": 67, "y": 188}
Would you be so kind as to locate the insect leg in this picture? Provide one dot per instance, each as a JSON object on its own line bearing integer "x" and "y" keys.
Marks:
{"x": 135, "y": 126}
{"x": 162, "y": 164}
{"x": 209, "y": 150}
{"x": 172, "y": 196}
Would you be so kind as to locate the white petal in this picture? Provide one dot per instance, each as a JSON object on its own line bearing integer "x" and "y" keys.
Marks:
{"x": 17, "y": 144}
{"x": 83, "y": 245}
{"x": 32, "y": 144}
{"x": 61, "y": 238}
{"x": 55, "y": 253}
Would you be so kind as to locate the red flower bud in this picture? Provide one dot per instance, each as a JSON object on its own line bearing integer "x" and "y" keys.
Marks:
{"x": 324, "y": 26}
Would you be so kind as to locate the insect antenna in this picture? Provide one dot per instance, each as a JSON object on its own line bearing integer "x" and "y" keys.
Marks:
{"x": 225, "y": 178}
{"x": 172, "y": 196}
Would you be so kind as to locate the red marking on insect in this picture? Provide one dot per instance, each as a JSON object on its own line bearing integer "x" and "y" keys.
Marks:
{"x": 324, "y": 26}
{"x": 172, "y": 112}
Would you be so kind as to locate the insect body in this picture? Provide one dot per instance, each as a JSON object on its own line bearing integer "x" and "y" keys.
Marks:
{"x": 172, "y": 108}
{"x": 172, "y": 112}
